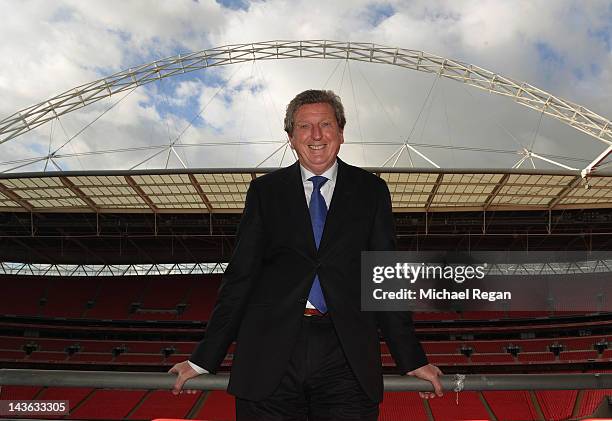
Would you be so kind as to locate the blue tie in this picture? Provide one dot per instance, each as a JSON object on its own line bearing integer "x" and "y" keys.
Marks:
{"x": 318, "y": 213}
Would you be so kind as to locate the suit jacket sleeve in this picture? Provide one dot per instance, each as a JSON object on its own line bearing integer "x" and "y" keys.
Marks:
{"x": 396, "y": 326}
{"x": 236, "y": 285}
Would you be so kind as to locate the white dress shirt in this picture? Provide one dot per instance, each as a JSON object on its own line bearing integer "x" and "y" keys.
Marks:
{"x": 327, "y": 191}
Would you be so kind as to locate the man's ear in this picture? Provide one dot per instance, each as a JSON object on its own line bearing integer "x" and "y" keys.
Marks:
{"x": 341, "y": 136}
{"x": 290, "y": 140}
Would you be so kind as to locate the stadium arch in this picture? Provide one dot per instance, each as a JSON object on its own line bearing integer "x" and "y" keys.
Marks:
{"x": 574, "y": 115}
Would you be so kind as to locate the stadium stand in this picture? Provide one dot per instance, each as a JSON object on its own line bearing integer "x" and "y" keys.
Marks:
{"x": 470, "y": 407}
{"x": 557, "y": 404}
{"x": 74, "y": 395}
{"x": 536, "y": 356}
{"x": 511, "y": 405}
{"x": 445, "y": 359}
{"x": 400, "y": 406}
{"x": 107, "y": 304}
{"x": 19, "y": 392}
{"x": 91, "y": 357}
{"x": 22, "y": 297}
{"x": 108, "y": 405}
{"x": 578, "y": 355}
{"x": 218, "y": 405}
{"x": 163, "y": 404}
{"x": 117, "y": 325}
{"x": 57, "y": 303}
{"x": 492, "y": 358}
{"x": 591, "y": 399}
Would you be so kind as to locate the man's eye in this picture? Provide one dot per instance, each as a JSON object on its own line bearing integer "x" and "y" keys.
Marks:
{"x": 303, "y": 126}
{"x": 325, "y": 124}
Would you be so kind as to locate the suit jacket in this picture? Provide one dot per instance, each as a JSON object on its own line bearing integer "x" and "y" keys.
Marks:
{"x": 266, "y": 284}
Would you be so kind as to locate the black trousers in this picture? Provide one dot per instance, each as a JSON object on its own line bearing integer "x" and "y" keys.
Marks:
{"x": 319, "y": 385}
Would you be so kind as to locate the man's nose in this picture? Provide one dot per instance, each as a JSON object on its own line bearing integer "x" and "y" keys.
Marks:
{"x": 316, "y": 132}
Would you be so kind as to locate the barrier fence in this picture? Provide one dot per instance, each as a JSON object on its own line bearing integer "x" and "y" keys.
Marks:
{"x": 160, "y": 381}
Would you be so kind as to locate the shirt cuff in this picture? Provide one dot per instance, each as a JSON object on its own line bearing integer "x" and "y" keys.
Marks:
{"x": 197, "y": 368}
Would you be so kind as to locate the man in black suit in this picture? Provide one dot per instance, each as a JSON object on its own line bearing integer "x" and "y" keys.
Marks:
{"x": 290, "y": 296}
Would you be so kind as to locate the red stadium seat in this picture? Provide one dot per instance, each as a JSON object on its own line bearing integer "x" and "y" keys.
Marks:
{"x": 7, "y": 355}
{"x": 441, "y": 347}
{"x": 162, "y": 403}
{"x": 12, "y": 393}
{"x": 130, "y": 358}
{"x": 73, "y": 305}
{"x": 91, "y": 357}
{"x": 488, "y": 346}
{"x": 108, "y": 404}
{"x": 580, "y": 343}
{"x": 74, "y": 395}
{"x": 591, "y": 399}
{"x": 402, "y": 406}
{"x": 511, "y": 405}
{"x": 48, "y": 356}
{"x": 201, "y": 298}
{"x": 22, "y": 298}
{"x": 492, "y": 358}
{"x": 578, "y": 355}
{"x": 536, "y": 356}
{"x": 470, "y": 407}
{"x": 447, "y": 359}
{"x": 219, "y": 405}
{"x": 482, "y": 315}
{"x": 436, "y": 315}
{"x": 557, "y": 404}
{"x": 110, "y": 305}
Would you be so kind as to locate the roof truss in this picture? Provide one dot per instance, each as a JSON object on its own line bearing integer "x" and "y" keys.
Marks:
{"x": 224, "y": 191}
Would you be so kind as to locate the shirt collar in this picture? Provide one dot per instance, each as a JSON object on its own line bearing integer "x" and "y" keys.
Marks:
{"x": 330, "y": 174}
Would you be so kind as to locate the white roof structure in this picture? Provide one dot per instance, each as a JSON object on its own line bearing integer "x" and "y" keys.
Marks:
{"x": 224, "y": 191}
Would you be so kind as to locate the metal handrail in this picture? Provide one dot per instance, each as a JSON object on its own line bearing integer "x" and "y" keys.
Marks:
{"x": 151, "y": 381}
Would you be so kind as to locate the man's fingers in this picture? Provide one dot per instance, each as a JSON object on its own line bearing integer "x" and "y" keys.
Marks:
{"x": 432, "y": 374}
{"x": 437, "y": 385}
{"x": 179, "y": 370}
{"x": 178, "y": 385}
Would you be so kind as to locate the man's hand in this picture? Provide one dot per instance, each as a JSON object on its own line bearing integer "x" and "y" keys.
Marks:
{"x": 184, "y": 372}
{"x": 430, "y": 373}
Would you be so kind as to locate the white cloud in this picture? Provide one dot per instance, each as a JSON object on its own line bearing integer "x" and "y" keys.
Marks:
{"x": 57, "y": 45}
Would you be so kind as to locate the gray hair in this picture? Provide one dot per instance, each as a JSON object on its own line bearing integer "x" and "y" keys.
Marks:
{"x": 313, "y": 96}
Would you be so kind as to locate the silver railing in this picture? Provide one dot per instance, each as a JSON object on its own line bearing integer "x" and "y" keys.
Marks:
{"x": 160, "y": 381}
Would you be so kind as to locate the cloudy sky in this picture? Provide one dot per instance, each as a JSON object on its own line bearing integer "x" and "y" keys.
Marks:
{"x": 231, "y": 116}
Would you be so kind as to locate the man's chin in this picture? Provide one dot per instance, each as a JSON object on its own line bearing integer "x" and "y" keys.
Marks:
{"x": 319, "y": 168}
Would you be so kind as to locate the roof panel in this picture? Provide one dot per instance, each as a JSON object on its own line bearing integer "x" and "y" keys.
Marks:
{"x": 5, "y": 203}
{"x": 223, "y": 190}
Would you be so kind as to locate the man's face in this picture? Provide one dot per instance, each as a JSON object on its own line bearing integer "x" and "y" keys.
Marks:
{"x": 316, "y": 136}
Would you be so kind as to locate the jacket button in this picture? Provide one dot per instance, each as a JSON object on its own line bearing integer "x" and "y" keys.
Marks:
{"x": 302, "y": 300}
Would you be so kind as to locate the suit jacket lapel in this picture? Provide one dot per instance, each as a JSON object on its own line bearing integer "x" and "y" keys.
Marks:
{"x": 339, "y": 209}
{"x": 298, "y": 208}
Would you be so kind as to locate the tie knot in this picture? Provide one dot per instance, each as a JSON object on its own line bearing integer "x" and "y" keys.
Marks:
{"x": 318, "y": 181}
